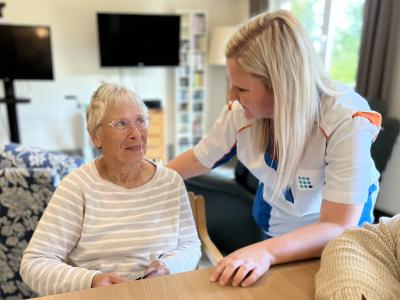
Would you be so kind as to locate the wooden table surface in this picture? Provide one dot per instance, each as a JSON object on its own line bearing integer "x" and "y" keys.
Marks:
{"x": 289, "y": 281}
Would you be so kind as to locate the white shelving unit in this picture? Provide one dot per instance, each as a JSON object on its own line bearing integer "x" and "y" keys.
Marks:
{"x": 191, "y": 81}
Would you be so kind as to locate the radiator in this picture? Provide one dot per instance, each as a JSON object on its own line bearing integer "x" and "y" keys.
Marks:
{"x": 389, "y": 196}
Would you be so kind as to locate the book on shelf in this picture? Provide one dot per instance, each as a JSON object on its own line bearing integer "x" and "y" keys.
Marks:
{"x": 198, "y": 79}
{"x": 199, "y": 23}
{"x": 198, "y": 61}
{"x": 198, "y": 95}
{"x": 200, "y": 43}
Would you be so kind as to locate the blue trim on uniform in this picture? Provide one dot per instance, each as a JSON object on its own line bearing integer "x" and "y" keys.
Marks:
{"x": 366, "y": 215}
{"x": 227, "y": 157}
{"x": 261, "y": 209}
{"x": 270, "y": 162}
{"x": 266, "y": 236}
{"x": 288, "y": 194}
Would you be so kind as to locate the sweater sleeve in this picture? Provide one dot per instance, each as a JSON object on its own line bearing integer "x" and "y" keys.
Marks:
{"x": 187, "y": 254}
{"x": 362, "y": 261}
{"x": 44, "y": 265}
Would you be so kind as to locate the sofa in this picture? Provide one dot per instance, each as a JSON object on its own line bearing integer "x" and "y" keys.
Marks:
{"x": 229, "y": 200}
{"x": 28, "y": 178}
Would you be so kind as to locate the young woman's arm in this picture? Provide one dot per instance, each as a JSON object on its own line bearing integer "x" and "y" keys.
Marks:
{"x": 244, "y": 266}
{"x": 187, "y": 165}
{"x": 217, "y": 144}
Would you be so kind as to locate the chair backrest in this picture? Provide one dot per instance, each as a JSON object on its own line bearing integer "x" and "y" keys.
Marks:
{"x": 197, "y": 204}
{"x": 382, "y": 148}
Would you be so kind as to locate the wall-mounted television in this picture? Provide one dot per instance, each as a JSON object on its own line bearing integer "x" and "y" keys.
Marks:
{"x": 138, "y": 39}
{"x": 25, "y": 52}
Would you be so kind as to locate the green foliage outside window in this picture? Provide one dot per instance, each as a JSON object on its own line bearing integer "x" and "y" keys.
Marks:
{"x": 346, "y": 47}
{"x": 346, "y": 34}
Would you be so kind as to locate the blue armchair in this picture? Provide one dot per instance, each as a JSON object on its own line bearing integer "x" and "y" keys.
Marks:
{"x": 28, "y": 178}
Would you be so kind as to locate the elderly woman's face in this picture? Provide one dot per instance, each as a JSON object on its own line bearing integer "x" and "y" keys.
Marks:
{"x": 122, "y": 134}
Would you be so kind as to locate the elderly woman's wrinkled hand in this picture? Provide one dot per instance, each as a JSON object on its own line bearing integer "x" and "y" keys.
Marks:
{"x": 242, "y": 267}
{"x": 156, "y": 268}
{"x": 105, "y": 279}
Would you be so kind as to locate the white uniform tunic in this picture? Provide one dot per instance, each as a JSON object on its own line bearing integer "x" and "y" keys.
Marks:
{"x": 336, "y": 166}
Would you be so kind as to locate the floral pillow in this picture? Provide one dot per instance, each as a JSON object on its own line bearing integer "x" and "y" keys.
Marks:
{"x": 15, "y": 155}
{"x": 28, "y": 178}
{"x": 24, "y": 194}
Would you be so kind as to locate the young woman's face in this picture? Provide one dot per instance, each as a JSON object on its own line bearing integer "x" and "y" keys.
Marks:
{"x": 250, "y": 91}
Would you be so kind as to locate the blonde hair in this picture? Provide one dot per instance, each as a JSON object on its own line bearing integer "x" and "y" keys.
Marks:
{"x": 108, "y": 95}
{"x": 275, "y": 48}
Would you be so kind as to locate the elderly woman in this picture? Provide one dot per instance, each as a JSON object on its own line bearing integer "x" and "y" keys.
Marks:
{"x": 362, "y": 263}
{"x": 118, "y": 218}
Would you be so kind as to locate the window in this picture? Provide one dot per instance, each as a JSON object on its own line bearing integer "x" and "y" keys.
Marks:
{"x": 335, "y": 30}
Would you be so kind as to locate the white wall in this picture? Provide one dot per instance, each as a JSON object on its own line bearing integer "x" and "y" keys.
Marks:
{"x": 52, "y": 122}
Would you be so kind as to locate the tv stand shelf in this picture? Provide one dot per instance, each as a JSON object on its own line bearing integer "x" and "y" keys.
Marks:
{"x": 14, "y": 101}
{"x": 11, "y": 103}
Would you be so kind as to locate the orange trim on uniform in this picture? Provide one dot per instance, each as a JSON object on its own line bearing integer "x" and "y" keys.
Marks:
{"x": 247, "y": 126}
{"x": 374, "y": 117}
{"x": 230, "y": 103}
{"x": 323, "y": 132}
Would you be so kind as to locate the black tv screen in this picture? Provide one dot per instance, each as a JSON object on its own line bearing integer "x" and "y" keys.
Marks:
{"x": 138, "y": 40}
{"x": 25, "y": 52}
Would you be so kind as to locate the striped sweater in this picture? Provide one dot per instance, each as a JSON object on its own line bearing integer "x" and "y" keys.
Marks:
{"x": 92, "y": 225}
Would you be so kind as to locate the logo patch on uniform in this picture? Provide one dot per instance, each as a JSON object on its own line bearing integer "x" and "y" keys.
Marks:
{"x": 304, "y": 183}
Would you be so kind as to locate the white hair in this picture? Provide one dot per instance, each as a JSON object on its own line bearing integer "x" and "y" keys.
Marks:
{"x": 106, "y": 96}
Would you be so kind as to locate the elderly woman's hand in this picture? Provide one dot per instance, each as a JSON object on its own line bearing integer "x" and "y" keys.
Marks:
{"x": 156, "y": 268}
{"x": 242, "y": 267}
{"x": 105, "y": 279}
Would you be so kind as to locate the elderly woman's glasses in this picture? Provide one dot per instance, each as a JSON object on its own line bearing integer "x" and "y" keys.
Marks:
{"x": 140, "y": 122}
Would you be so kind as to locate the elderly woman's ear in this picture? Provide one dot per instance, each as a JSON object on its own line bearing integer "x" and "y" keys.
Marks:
{"x": 95, "y": 139}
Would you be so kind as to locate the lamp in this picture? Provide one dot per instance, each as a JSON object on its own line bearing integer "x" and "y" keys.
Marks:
{"x": 219, "y": 38}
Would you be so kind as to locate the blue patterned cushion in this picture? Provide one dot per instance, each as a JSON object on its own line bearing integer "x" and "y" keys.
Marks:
{"x": 15, "y": 155}
{"x": 28, "y": 178}
{"x": 24, "y": 194}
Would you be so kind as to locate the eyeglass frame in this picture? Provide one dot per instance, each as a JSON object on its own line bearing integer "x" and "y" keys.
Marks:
{"x": 113, "y": 125}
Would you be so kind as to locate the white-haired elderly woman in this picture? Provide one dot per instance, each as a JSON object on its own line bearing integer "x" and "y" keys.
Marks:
{"x": 116, "y": 218}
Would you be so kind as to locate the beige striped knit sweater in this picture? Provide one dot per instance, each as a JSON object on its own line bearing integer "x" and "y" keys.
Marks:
{"x": 362, "y": 261}
{"x": 92, "y": 225}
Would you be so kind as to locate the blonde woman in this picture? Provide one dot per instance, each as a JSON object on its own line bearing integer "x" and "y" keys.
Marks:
{"x": 305, "y": 138}
{"x": 118, "y": 218}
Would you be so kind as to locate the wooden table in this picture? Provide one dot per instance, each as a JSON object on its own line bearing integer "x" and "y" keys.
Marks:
{"x": 289, "y": 281}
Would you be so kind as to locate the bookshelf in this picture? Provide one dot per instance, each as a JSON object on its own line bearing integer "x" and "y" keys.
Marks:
{"x": 191, "y": 81}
